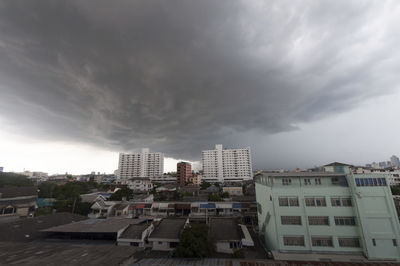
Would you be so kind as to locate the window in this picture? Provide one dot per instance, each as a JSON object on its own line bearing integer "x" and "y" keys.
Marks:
{"x": 394, "y": 242}
{"x": 318, "y": 181}
{"x": 349, "y": 242}
{"x": 345, "y": 220}
{"x": 293, "y": 240}
{"x": 286, "y": 181}
{"x": 318, "y": 220}
{"x": 364, "y": 182}
{"x": 337, "y": 202}
{"x": 322, "y": 241}
{"x": 259, "y": 208}
{"x": 291, "y": 220}
{"x": 288, "y": 201}
{"x": 315, "y": 201}
{"x": 173, "y": 244}
{"x": 307, "y": 181}
{"x": 335, "y": 180}
{"x": 373, "y": 242}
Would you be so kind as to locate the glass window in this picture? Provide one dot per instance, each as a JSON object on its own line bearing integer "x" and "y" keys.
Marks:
{"x": 293, "y": 240}
{"x": 293, "y": 201}
{"x": 286, "y": 181}
{"x": 309, "y": 201}
{"x": 346, "y": 202}
{"x": 394, "y": 242}
{"x": 349, "y": 242}
{"x": 283, "y": 201}
{"x": 320, "y": 202}
{"x": 318, "y": 220}
{"x": 322, "y": 241}
{"x": 307, "y": 181}
{"x": 335, "y": 202}
{"x": 318, "y": 181}
{"x": 291, "y": 220}
{"x": 345, "y": 220}
{"x": 357, "y": 182}
{"x": 373, "y": 242}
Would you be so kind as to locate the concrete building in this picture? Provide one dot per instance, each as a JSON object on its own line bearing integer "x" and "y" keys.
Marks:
{"x": 328, "y": 212}
{"x": 143, "y": 164}
{"x": 138, "y": 184}
{"x": 195, "y": 179}
{"x": 135, "y": 235}
{"x": 229, "y": 165}
{"x": 183, "y": 173}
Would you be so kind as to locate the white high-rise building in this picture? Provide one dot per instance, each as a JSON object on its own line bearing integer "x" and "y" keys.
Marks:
{"x": 144, "y": 164}
{"x": 225, "y": 165}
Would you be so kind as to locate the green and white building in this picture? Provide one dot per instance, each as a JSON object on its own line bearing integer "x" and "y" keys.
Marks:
{"x": 328, "y": 212}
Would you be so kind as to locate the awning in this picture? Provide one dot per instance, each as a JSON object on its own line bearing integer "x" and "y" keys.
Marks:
{"x": 207, "y": 205}
{"x": 163, "y": 206}
{"x": 223, "y": 205}
{"x": 171, "y": 205}
{"x": 140, "y": 206}
{"x": 182, "y": 206}
{"x": 236, "y": 205}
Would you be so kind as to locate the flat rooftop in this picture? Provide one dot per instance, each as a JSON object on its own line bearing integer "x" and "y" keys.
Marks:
{"x": 55, "y": 254}
{"x": 28, "y": 229}
{"x": 110, "y": 225}
{"x": 168, "y": 228}
{"x": 225, "y": 229}
{"x": 301, "y": 174}
{"x": 134, "y": 231}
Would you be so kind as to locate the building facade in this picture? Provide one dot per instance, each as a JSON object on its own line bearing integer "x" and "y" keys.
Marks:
{"x": 395, "y": 161}
{"x": 221, "y": 165}
{"x": 143, "y": 164}
{"x": 183, "y": 173}
{"x": 328, "y": 212}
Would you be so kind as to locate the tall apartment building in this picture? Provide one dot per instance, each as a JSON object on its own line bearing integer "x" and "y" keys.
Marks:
{"x": 395, "y": 161}
{"x": 226, "y": 165}
{"x": 144, "y": 164}
{"x": 183, "y": 173}
{"x": 328, "y": 212}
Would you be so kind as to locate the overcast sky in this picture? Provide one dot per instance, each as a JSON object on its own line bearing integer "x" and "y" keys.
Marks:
{"x": 302, "y": 83}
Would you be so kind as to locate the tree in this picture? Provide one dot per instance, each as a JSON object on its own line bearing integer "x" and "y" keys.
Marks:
{"x": 194, "y": 242}
{"x": 124, "y": 192}
{"x": 225, "y": 195}
{"x": 14, "y": 180}
{"x": 204, "y": 185}
{"x": 395, "y": 190}
{"x": 214, "y": 197}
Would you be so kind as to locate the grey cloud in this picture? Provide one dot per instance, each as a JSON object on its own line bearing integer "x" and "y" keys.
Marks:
{"x": 179, "y": 76}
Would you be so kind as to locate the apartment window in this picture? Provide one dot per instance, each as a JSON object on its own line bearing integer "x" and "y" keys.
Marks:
{"x": 288, "y": 201}
{"x": 318, "y": 181}
{"x": 293, "y": 241}
{"x": 315, "y": 201}
{"x": 335, "y": 180}
{"x": 345, "y": 220}
{"x": 373, "y": 242}
{"x": 322, "y": 241}
{"x": 318, "y": 220}
{"x": 337, "y": 202}
{"x": 286, "y": 181}
{"x": 307, "y": 181}
{"x": 349, "y": 242}
{"x": 394, "y": 242}
{"x": 365, "y": 182}
{"x": 291, "y": 220}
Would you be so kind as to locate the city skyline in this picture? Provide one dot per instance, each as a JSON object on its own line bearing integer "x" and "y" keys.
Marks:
{"x": 304, "y": 85}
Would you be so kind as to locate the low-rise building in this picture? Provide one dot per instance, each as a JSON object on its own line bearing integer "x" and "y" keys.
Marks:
{"x": 165, "y": 236}
{"x": 138, "y": 184}
{"x": 233, "y": 190}
{"x": 16, "y": 202}
{"x": 227, "y": 234}
{"x": 135, "y": 235}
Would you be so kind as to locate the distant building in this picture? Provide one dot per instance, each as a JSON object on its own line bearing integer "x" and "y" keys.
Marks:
{"x": 183, "y": 173}
{"x": 195, "y": 179}
{"x": 16, "y": 202}
{"x": 139, "y": 184}
{"x": 336, "y": 212}
{"x": 1, "y": 169}
{"x": 233, "y": 190}
{"x": 395, "y": 161}
{"x": 221, "y": 165}
{"x": 143, "y": 164}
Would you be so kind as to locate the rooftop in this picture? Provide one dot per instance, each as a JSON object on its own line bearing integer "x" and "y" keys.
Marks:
{"x": 168, "y": 228}
{"x": 134, "y": 231}
{"x": 225, "y": 229}
{"x": 13, "y": 192}
{"x": 302, "y": 174}
{"x": 57, "y": 254}
{"x": 110, "y": 225}
{"x": 28, "y": 229}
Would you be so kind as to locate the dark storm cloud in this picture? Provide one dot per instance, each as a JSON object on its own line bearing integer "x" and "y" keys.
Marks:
{"x": 179, "y": 76}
